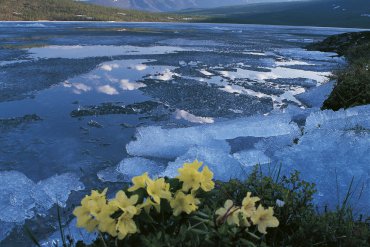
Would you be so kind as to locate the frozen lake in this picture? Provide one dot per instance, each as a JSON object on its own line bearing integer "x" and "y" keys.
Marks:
{"x": 76, "y": 99}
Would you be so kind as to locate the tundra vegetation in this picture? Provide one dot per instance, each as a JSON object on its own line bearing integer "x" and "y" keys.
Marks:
{"x": 353, "y": 82}
{"x": 68, "y": 10}
{"x": 194, "y": 210}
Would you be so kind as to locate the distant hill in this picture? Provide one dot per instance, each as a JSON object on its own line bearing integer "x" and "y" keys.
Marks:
{"x": 174, "y": 5}
{"x": 69, "y": 10}
{"x": 148, "y": 5}
{"x": 335, "y": 13}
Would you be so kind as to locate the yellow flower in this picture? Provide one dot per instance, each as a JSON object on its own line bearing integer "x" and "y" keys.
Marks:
{"x": 139, "y": 182}
{"x": 158, "y": 189}
{"x": 190, "y": 176}
{"x": 264, "y": 218}
{"x": 124, "y": 203}
{"x": 249, "y": 205}
{"x": 125, "y": 225}
{"x": 148, "y": 204}
{"x": 244, "y": 219}
{"x": 85, "y": 219}
{"x": 89, "y": 210}
{"x": 184, "y": 203}
{"x": 106, "y": 222}
{"x": 228, "y": 213}
{"x": 206, "y": 182}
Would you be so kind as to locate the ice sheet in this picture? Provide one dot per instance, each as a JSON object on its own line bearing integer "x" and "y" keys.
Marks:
{"x": 219, "y": 161}
{"x": 251, "y": 157}
{"x": 315, "y": 97}
{"x": 330, "y": 159}
{"x": 353, "y": 118}
{"x": 16, "y": 201}
{"x": 131, "y": 167}
{"x": 21, "y": 198}
{"x": 155, "y": 141}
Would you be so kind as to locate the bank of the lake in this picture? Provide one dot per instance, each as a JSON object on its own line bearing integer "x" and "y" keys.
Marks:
{"x": 353, "y": 83}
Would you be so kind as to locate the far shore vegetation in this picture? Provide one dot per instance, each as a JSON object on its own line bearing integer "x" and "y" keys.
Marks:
{"x": 69, "y": 10}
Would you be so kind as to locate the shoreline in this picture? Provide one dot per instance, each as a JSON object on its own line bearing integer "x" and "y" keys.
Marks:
{"x": 199, "y": 23}
{"x": 352, "y": 85}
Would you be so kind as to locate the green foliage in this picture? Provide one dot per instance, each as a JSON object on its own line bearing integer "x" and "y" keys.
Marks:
{"x": 69, "y": 10}
{"x": 300, "y": 223}
{"x": 182, "y": 212}
{"x": 352, "y": 87}
{"x": 353, "y": 83}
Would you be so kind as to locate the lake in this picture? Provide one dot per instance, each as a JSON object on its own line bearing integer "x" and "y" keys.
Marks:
{"x": 89, "y": 105}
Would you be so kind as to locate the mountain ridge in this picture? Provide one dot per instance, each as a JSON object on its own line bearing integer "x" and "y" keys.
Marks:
{"x": 325, "y": 13}
{"x": 174, "y": 5}
{"x": 69, "y": 10}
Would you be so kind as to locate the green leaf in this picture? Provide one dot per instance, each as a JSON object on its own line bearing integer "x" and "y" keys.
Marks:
{"x": 247, "y": 242}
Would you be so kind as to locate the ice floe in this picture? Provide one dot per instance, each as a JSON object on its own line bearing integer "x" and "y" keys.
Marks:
{"x": 136, "y": 166}
{"x": 224, "y": 166}
{"x": 171, "y": 143}
{"x": 251, "y": 157}
{"x": 16, "y": 198}
{"x": 21, "y": 198}
{"x": 316, "y": 96}
{"x": 5, "y": 229}
{"x": 350, "y": 119}
{"x": 331, "y": 159}
{"x": 302, "y": 54}
{"x": 332, "y": 148}
{"x": 77, "y": 234}
{"x": 276, "y": 73}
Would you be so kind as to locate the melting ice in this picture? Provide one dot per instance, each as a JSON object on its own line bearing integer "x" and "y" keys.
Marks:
{"x": 180, "y": 98}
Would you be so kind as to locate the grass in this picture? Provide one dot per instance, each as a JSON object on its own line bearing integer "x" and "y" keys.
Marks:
{"x": 353, "y": 82}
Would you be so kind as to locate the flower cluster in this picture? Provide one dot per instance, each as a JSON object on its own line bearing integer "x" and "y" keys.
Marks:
{"x": 247, "y": 214}
{"x": 117, "y": 216}
{"x": 193, "y": 179}
{"x": 147, "y": 198}
{"x": 96, "y": 212}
